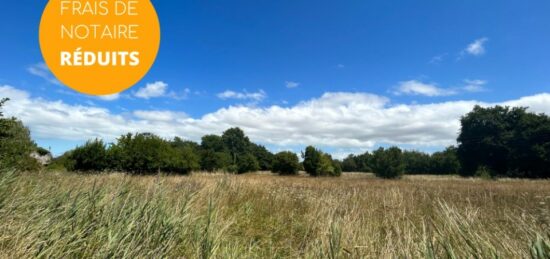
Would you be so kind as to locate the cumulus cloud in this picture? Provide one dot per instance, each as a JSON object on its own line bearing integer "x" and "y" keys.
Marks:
{"x": 341, "y": 121}
{"x": 255, "y": 96}
{"x": 111, "y": 97}
{"x": 414, "y": 87}
{"x": 152, "y": 90}
{"x": 291, "y": 84}
{"x": 41, "y": 70}
{"x": 476, "y": 48}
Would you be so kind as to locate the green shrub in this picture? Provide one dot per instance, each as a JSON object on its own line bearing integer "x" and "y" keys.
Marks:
{"x": 146, "y": 153}
{"x": 90, "y": 157}
{"x": 312, "y": 159}
{"x": 247, "y": 163}
{"x": 285, "y": 163}
{"x": 388, "y": 163}
{"x": 16, "y": 146}
{"x": 317, "y": 163}
{"x": 211, "y": 160}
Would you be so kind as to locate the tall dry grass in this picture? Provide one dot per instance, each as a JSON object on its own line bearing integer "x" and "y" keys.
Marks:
{"x": 264, "y": 216}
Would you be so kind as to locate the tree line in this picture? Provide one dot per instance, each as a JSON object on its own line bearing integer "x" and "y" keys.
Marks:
{"x": 493, "y": 142}
{"x": 146, "y": 153}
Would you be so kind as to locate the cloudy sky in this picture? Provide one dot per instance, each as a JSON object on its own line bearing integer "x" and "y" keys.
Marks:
{"x": 347, "y": 76}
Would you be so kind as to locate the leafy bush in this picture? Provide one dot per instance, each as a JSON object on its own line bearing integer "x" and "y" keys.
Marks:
{"x": 263, "y": 156}
{"x": 317, "y": 163}
{"x": 90, "y": 157}
{"x": 140, "y": 153}
{"x": 312, "y": 159}
{"x": 328, "y": 167}
{"x": 147, "y": 153}
{"x": 445, "y": 162}
{"x": 357, "y": 163}
{"x": 214, "y": 155}
{"x": 212, "y": 161}
{"x": 16, "y": 145}
{"x": 286, "y": 163}
{"x": 245, "y": 156}
{"x": 247, "y": 163}
{"x": 388, "y": 163}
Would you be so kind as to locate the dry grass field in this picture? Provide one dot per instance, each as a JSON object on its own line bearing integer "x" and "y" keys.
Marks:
{"x": 63, "y": 215}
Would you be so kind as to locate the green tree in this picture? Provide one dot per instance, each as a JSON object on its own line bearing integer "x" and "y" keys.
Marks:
{"x": 363, "y": 162}
{"x": 317, "y": 163}
{"x": 286, "y": 163}
{"x": 236, "y": 142}
{"x": 214, "y": 155}
{"x": 212, "y": 161}
{"x": 183, "y": 157}
{"x": 146, "y": 153}
{"x": 328, "y": 167}
{"x": 247, "y": 163}
{"x": 242, "y": 152}
{"x": 181, "y": 160}
{"x": 312, "y": 159}
{"x": 263, "y": 156}
{"x": 350, "y": 164}
{"x": 504, "y": 142}
{"x": 212, "y": 142}
{"x": 484, "y": 137}
{"x": 92, "y": 156}
{"x": 417, "y": 162}
{"x": 16, "y": 144}
{"x": 445, "y": 162}
{"x": 388, "y": 163}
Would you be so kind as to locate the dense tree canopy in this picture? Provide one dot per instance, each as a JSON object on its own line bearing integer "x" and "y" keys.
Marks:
{"x": 214, "y": 155}
{"x": 317, "y": 163}
{"x": 16, "y": 144}
{"x": 388, "y": 163}
{"x": 415, "y": 162}
{"x": 93, "y": 156}
{"x": 263, "y": 156}
{"x": 506, "y": 141}
{"x": 286, "y": 163}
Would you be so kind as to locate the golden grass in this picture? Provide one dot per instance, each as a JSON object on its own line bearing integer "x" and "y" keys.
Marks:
{"x": 268, "y": 216}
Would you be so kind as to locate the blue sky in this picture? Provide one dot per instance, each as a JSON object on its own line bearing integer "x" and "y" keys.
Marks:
{"x": 364, "y": 64}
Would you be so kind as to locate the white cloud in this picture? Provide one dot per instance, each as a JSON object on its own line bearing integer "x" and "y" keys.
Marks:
{"x": 111, "y": 97}
{"x": 476, "y": 48}
{"x": 255, "y": 96}
{"x": 291, "y": 84}
{"x": 41, "y": 70}
{"x": 166, "y": 116}
{"x": 414, "y": 87}
{"x": 152, "y": 90}
{"x": 341, "y": 121}
{"x": 474, "y": 86}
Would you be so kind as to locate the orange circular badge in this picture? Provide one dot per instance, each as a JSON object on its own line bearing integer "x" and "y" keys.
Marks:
{"x": 99, "y": 47}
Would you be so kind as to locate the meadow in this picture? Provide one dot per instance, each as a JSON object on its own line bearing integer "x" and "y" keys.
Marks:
{"x": 261, "y": 215}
